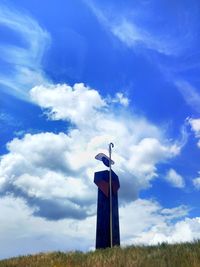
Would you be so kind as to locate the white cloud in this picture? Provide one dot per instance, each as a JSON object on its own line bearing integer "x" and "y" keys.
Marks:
{"x": 129, "y": 33}
{"x": 34, "y": 234}
{"x": 146, "y": 222}
{"x": 189, "y": 93}
{"x": 183, "y": 231}
{"x": 141, "y": 222}
{"x": 77, "y": 104}
{"x": 149, "y": 151}
{"x": 196, "y": 183}
{"x": 40, "y": 168}
{"x": 25, "y": 58}
{"x": 195, "y": 126}
{"x": 175, "y": 179}
{"x": 7, "y": 119}
{"x": 57, "y": 169}
{"x": 132, "y": 35}
{"x": 130, "y": 29}
{"x": 120, "y": 98}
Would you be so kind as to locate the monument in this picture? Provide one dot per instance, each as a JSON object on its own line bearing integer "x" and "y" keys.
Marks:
{"x": 107, "y": 227}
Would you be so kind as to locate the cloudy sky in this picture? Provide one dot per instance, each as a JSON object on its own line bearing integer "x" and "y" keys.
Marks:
{"x": 76, "y": 75}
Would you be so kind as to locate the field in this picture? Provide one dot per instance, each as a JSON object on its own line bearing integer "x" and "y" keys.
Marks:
{"x": 183, "y": 255}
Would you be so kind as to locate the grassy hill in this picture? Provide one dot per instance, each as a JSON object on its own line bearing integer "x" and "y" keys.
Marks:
{"x": 164, "y": 255}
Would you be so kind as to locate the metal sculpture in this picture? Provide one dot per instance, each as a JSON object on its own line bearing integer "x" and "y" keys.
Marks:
{"x": 107, "y": 229}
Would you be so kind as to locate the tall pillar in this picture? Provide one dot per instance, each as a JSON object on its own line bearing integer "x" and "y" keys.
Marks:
{"x": 101, "y": 179}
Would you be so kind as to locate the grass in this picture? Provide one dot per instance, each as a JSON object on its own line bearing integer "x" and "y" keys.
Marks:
{"x": 164, "y": 255}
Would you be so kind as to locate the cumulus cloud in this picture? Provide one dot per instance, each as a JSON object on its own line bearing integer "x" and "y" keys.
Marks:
{"x": 54, "y": 172}
{"x": 35, "y": 234}
{"x": 141, "y": 222}
{"x": 23, "y": 57}
{"x": 121, "y": 99}
{"x": 186, "y": 230}
{"x": 175, "y": 179}
{"x": 146, "y": 222}
{"x": 195, "y": 126}
{"x": 68, "y": 103}
{"x": 39, "y": 169}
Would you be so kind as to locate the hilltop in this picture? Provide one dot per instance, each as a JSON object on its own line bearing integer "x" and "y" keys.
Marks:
{"x": 164, "y": 255}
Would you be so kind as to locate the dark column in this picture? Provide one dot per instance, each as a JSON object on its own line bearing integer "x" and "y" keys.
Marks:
{"x": 101, "y": 179}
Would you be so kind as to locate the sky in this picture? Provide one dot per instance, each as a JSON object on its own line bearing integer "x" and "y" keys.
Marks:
{"x": 75, "y": 76}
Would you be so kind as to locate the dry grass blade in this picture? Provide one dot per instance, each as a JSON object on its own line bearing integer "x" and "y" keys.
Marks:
{"x": 163, "y": 255}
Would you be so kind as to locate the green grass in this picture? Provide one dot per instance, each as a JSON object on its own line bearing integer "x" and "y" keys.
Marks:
{"x": 164, "y": 255}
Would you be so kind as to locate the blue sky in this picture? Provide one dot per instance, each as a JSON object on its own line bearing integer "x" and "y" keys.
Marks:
{"x": 75, "y": 76}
